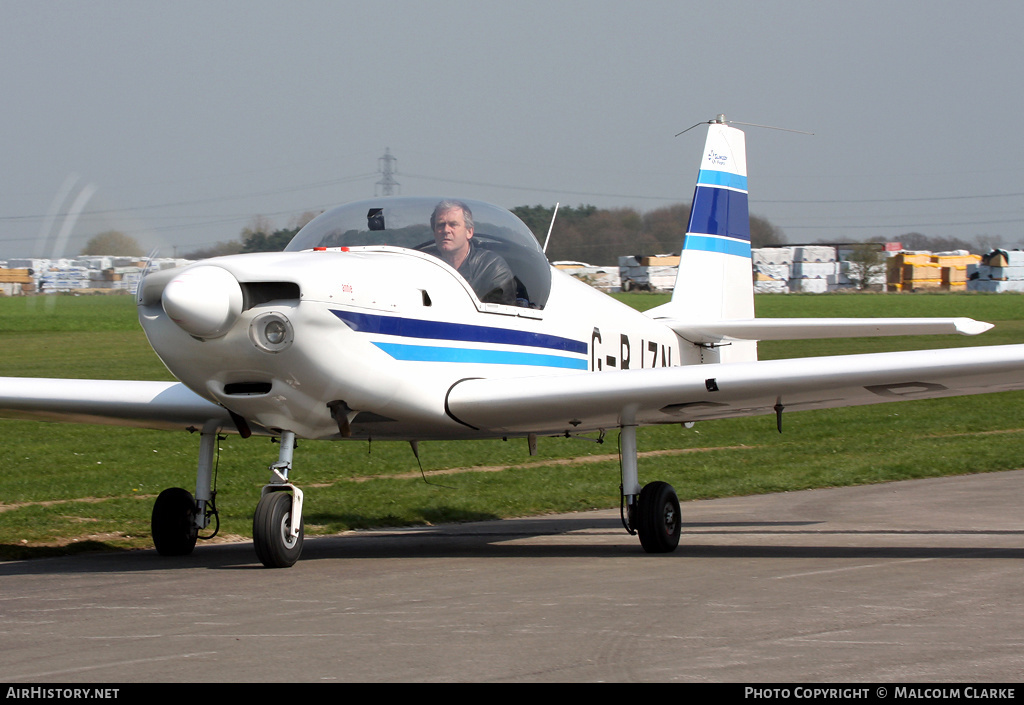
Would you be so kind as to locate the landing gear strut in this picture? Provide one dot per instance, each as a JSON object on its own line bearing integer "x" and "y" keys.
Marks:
{"x": 651, "y": 511}
{"x": 178, "y": 516}
{"x": 277, "y": 527}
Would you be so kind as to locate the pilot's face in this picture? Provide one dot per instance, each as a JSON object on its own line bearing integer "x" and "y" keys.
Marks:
{"x": 451, "y": 234}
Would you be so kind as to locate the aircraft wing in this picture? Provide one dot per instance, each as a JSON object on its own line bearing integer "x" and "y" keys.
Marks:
{"x": 806, "y": 328}
{"x": 160, "y": 405}
{"x": 586, "y": 401}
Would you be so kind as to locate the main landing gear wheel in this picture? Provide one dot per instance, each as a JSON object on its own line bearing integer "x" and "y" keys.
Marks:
{"x": 173, "y": 524}
{"x": 271, "y": 531}
{"x": 658, "y": 518}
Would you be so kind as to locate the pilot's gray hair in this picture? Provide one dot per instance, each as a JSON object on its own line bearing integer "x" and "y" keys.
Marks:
{"x": 447, "y": 205}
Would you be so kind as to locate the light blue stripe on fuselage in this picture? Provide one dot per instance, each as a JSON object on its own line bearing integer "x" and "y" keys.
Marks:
{"x": 430, "y": 353}
{"x": 725, "y": 245}
{"x": 710, "y": 177}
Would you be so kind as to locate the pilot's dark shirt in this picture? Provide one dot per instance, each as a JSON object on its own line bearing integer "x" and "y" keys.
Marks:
{"x": 490, "y": 276}
{"x": 488, "y": 273}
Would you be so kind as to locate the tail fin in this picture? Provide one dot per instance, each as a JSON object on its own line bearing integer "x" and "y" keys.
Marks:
{"x": 715, "y": 279}
{"x": 712, "y": 304}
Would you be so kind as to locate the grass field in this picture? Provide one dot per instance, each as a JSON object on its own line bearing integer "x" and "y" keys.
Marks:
{"x": 71, "y": 488}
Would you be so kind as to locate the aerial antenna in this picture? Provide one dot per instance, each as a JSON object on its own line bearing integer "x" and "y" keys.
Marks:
{"x": 720, "y": 120}
{"x": 550, "y": 228}
{"x": 415, "y": 445}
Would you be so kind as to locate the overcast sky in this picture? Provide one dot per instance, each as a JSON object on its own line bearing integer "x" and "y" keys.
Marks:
{"x": 178, "y": 122}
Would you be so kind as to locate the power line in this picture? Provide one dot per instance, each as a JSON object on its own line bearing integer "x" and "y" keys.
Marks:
{"x": 896, "y": 200}
{"x": 201, "y": 201}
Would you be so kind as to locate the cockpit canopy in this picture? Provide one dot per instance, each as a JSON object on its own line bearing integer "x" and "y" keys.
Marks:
{"x": 405, "y": 222}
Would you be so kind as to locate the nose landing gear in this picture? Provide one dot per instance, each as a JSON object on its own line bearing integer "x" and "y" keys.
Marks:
{"x": 277, "y": 527}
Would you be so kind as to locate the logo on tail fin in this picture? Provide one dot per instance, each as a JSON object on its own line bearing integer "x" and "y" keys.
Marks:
{"x": 717, "y": 159}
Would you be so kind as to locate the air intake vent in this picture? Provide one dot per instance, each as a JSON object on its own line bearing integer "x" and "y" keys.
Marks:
{"x": 257, "y": 293}
{"x": 247, "y": 388}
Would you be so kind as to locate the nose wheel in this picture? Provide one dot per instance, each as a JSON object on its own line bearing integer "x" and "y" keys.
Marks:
{"x": 277, "y": 525}
{"x": 277, "y": 544}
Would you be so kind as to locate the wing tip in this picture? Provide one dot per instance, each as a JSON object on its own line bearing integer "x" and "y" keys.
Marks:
{"x": 969, "y": 326}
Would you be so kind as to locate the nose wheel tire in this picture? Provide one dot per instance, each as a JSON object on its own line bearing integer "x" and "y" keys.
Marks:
{"x": 658, "y": 518}
{"x": 271, "y": 531}
{"x": 173, "y": 523}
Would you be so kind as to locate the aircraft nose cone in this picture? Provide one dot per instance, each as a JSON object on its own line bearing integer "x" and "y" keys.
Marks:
{"x": 205, "y": 301}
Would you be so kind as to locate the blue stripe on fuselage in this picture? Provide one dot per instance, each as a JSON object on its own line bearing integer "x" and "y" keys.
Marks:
{"x": 442, "y": 330}
{"x": 429, "y": 353}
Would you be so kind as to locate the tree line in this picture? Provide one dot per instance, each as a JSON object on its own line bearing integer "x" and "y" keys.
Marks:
{"x": 600, "y": 236}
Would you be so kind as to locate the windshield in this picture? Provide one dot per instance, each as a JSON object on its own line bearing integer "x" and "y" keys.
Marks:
{"x": 406, "y": 222}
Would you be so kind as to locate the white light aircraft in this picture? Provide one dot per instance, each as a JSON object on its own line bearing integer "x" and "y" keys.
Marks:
{"x": 360, "y": 330}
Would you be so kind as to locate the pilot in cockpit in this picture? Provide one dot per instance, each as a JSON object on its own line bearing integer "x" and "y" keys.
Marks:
{"x": 487, "y": 272}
